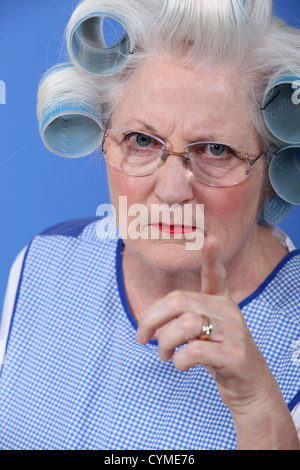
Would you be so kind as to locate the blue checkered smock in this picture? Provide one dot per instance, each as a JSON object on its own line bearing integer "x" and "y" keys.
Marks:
{"x": 75, "y": 378}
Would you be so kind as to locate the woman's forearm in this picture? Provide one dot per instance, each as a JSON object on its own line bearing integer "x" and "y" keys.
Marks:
{"x": 268, "y": 428}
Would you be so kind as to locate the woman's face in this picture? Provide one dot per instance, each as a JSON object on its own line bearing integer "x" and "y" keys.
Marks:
{"x": 181, "y": 106}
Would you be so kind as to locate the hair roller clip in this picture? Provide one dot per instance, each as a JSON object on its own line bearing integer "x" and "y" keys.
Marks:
{"x": 69, "y": 125}
{"x": 281, "y": 109}
{"x": 100, "y": 37}
{"x": 284, "y": 173}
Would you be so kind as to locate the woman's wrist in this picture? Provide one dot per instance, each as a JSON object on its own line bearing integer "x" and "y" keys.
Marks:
{"x": 268, "y": 427}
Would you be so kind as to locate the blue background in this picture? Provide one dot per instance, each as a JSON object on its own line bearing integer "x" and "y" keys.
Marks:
{"x": 37, "y": 188}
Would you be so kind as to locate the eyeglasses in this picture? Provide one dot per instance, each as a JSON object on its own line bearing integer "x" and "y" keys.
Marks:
{"x": 213, "y": 163}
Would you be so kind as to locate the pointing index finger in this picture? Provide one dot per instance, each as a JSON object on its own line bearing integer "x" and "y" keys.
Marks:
{"x": 213, "y": 274}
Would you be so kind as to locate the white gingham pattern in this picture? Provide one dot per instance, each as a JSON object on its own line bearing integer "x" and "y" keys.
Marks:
{"x": 75, "y": 378}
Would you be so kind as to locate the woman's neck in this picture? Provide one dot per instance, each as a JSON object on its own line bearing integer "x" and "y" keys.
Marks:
{"x": 249, "y": 268}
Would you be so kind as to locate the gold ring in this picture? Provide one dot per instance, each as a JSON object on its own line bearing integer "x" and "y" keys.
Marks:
{"x": 206, "y": 329}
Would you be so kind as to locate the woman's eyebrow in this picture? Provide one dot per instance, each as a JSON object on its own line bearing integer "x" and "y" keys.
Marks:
{"x": 206, "y": 138}
{"x": 200, "y": 137}
{"x": 146, "y": 126}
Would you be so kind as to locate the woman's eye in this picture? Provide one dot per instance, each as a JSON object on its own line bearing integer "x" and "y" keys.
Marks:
{"x": 216, "y": 150}
{"x": 141, "y": 140}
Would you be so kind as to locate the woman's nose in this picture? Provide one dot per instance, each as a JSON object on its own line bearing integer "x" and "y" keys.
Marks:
{"x": 174, "y": 181}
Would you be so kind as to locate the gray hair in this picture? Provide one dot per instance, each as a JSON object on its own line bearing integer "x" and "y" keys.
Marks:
{"x": 241, "y": 33}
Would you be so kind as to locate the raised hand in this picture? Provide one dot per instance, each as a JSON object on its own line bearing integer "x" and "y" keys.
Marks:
{"x": 180, "y": 321}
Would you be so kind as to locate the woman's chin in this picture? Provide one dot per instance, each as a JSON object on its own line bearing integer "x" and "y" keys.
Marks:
{"x": 168, "y": 255}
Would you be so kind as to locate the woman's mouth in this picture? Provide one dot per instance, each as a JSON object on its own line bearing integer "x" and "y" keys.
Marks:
{"x": 175, "y": 229}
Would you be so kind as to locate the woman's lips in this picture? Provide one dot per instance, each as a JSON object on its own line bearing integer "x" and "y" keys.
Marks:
{"x": 175, "y": 229}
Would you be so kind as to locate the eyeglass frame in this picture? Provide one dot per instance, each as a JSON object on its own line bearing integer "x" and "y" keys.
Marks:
{"x": 166, "y": 153}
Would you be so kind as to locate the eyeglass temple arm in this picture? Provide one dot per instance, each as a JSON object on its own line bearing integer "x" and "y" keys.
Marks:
{"x": 251, "y": 162}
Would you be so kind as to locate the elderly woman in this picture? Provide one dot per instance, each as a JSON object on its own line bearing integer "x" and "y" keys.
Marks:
{"x": 145, "y": 341}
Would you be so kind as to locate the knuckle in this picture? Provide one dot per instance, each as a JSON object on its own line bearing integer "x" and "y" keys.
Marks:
{"x": 175, "y": 299}
{"x": 188, "y": 322}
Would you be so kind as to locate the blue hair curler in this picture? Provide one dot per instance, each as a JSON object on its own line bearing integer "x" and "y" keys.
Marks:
{"x": 100, "y": 43}
{"x": 70, "y": 122}
{"x": 71, "y": 131}
{"x": 284, "y": 173}
{"x": 274, "y": 210}
{"x": 281, "y": 108}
